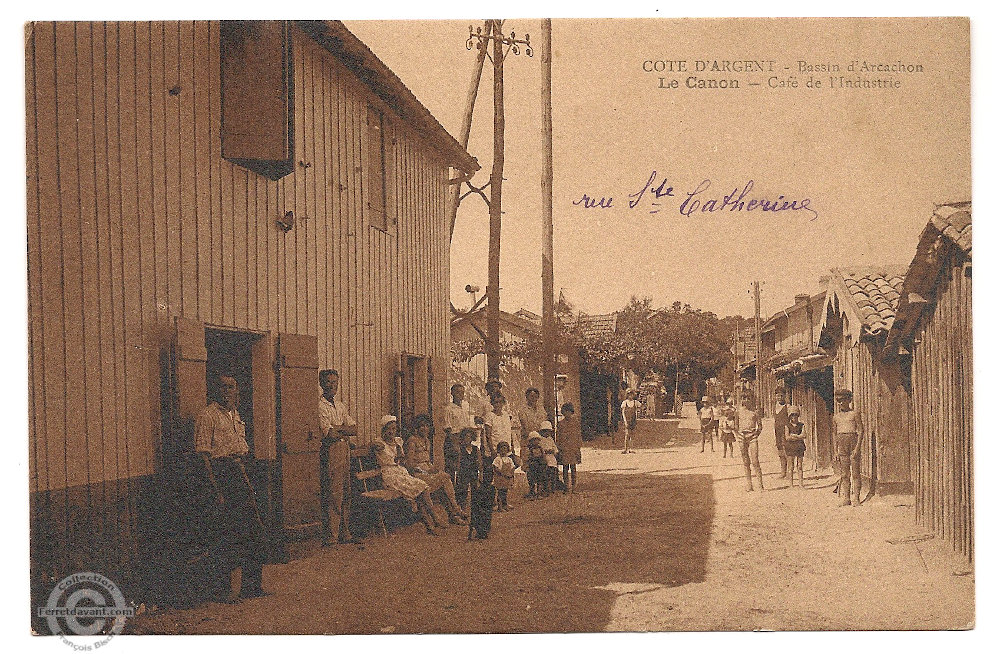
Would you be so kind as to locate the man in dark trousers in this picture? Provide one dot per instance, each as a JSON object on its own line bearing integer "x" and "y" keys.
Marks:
{"x": 220, "y": 440}
{"x": 780, "y": 428}
{"x": 338, "y": 428}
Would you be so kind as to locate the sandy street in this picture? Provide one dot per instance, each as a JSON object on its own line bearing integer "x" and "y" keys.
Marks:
{"x": 663, "y": 539}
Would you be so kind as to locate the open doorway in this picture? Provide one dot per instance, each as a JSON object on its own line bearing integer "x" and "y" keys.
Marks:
{"x": 230, "y": 352}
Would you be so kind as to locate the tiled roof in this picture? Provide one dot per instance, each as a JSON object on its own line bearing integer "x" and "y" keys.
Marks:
{"x": 954, "y": 221}
{"x": 591, "y": 326}
{"x": 874, "y": 293}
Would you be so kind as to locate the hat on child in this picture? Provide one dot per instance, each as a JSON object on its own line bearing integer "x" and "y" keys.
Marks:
{"x": 386, "y": 420}
{"x": 794, "y": 411}
{"x": 545, "y": 425}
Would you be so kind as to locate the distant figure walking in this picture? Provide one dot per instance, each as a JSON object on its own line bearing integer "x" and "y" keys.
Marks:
{"x": 630, "y": 415}
{"x": 848, "y": 427}
{"x": 748, "y": 423}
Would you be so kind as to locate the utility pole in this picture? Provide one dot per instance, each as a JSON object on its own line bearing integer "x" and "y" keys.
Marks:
{"x": 495, "y": 34}
{"x": 496, "y": 189}
{"x": 463, "y": 136}
{"x": 548, "y": 317}
{"x": 756, "y": 333}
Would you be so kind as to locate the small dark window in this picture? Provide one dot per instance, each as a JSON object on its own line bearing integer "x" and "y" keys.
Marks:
{"x": 375, "y": 175}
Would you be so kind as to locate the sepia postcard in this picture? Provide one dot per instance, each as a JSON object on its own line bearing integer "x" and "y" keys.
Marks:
{"x": 456, "y": 326}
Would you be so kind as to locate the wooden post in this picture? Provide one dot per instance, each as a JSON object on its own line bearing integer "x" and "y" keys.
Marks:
{"x": 756, "y": 332}
{"x": 496, "y": 187}
{"x": 548, "y": 319}
{"x": 466, "y": 129}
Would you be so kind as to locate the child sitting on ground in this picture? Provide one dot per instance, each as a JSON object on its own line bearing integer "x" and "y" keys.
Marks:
{"x": 503, "y": 474}
{"x": 795, "y": 445}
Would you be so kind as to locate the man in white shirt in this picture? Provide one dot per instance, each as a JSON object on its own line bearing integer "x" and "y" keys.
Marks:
{"x": 220, "y": 440}
{"x": 338, "y": 429}
{"x": 457, "y": 415}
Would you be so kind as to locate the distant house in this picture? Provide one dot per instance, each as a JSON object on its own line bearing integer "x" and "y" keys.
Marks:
{"x": 858, "y": 311}
{"x": 521, "y": 365}
{"x": 803, "y": 371}
{"x": 261, "y": 197}
{"x": 932, "y": 338}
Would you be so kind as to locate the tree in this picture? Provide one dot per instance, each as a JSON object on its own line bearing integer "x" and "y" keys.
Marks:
{"x": 649, "y": 340}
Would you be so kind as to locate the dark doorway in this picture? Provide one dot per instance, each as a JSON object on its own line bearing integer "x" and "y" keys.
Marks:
{"x": 230, "y": 353}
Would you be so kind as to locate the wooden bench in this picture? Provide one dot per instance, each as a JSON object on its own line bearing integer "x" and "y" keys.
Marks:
{"x": 375, "y": 497}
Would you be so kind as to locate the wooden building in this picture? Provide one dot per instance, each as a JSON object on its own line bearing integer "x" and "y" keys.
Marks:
{"x": 803, "y": 371}
{"x": 932, "y": 336}
{"x": 262, "y": 197}
{"x": 859, "y": 310}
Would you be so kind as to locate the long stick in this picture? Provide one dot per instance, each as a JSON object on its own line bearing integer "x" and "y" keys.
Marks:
{"x": 466, "y": 129}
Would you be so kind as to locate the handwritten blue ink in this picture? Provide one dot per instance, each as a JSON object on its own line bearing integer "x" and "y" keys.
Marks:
{"x": 593, "y": 203}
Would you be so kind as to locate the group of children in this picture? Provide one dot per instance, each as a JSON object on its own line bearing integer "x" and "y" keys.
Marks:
{"x": 497, "y": 464}
{"x": 720, "y": 418}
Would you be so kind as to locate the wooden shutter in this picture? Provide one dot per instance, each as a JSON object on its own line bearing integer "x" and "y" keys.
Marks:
{"x": 298, "y": 422}
{"x": 262, "y": 373}
{"x": 190, "y": 359}
{"x": 257, "y": 115}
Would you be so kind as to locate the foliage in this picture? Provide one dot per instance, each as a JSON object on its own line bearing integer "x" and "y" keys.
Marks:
{"x": 650, "y": 340}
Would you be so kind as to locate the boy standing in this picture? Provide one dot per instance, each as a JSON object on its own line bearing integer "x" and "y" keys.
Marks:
{"x": 795, "y": 445}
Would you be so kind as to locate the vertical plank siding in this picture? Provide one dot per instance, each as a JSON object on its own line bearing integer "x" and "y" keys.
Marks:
{"x": 134, "y": 218}
{"x": 941, "y": 370}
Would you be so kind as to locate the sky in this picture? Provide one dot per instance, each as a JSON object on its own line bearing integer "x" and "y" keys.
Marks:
{"x": 872, "y": 163}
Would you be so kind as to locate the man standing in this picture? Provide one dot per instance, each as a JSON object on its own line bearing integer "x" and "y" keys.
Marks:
{"x": 530, "y": 419}
{"x": 748, "y": 424}
{"x": 780, "y": 427}
{"x": 630, "y": 415}
{"x": 457, "y": 416}
{"x": 337, "y": 428}
{"x": 220, "y": 439}
{"x": 849, "y": 430}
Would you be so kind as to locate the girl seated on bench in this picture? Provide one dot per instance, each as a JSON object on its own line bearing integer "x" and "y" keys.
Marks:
{"x": 388, "y": 453}
{"x": 418, "y": 462}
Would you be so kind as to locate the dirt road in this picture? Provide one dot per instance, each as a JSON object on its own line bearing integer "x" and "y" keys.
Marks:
{"x": 663, "y": 539}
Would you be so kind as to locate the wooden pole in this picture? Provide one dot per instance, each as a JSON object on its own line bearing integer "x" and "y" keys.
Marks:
{"x": 466, "y": 129}
{"x": 756, "y": 332}
{"x": 496, "y": 188}
{"x": 548, "y": 317}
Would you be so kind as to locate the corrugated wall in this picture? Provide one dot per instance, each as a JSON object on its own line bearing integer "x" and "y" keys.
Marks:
{"x": 942, "y": 410}
{"x": 134, "y": 217}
